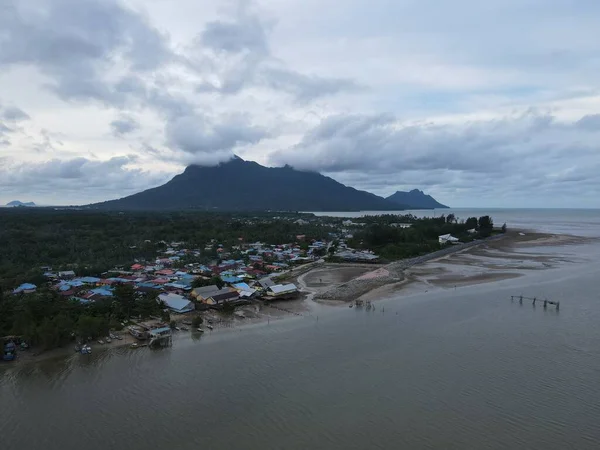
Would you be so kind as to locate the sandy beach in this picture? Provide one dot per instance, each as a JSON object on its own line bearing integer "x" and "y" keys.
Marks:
{"x": 509, "y": 256}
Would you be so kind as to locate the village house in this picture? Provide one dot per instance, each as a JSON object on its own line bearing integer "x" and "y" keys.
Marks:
{"x": 448, "y": 238}
{"x": 177, "y": 303}
{"x": 201, "y": 294}
{"x": 66, "y": 274}
{"x": 217, "y": 300}
{"x": 281, "y": 291}
{"x": 25, "y": 288}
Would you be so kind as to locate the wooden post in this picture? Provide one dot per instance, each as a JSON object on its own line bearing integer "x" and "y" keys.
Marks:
{"x": 533, "y": 301}
{"x": 545, "y": 303}
{"x": 557, "y": 306}
{"x": 521, "y": 299}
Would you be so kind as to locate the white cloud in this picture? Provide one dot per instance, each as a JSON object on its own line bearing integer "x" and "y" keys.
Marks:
{"x": 472, "y": 100}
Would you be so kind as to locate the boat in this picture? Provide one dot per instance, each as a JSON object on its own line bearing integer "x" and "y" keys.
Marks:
{"x": 86, "y": 350}
{"x": 108, "y": 340}
{"x": 134, "y": 345}
{"x": 185, "y": 328}
{"x": 10, "y": 351}
{"x": 178, "y": 329}
{"x": 100, "y": 341}
{"x": 210, "y": 327}
{"x": 119, "y": 337}
{"x": 199, "y": 330}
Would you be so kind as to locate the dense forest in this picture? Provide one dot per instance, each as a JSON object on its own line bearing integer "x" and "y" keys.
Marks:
{"x": 387, "y": 238}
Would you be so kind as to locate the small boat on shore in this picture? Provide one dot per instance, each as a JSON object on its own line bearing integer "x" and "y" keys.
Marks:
{"x": 199, "y": 330}
{"x": 100, "y": 341}
{"x": 135, "y": 345}
{"x": 185, "y": 328}
{"x": 108, "y": 340}
{"x": 210, "y": 327}
{"x": 85, "y": 350}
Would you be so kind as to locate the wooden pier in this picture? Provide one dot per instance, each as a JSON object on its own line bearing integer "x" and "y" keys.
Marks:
{"x": 533, "y": 300}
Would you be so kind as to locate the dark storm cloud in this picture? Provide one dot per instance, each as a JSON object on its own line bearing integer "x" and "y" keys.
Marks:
{"x": 305, "y": 87}
{"x": 75, "y": 43}
{"x": 379, "y": 153}
{"x": 244, "y": 33}
{"x": 241, "y": 57}
{"x": 93, "y": 178}
{"x": 123, "y": 125}
{"x": 204, "y": 140}
{"x": 14, "y": 114}
{"x": 590, "y": 122}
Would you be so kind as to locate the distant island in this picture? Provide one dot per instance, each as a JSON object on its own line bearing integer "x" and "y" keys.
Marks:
{"x": 239, "y": 185}
{"x": 19, "y": 203}
{"x": 416, "y": 199}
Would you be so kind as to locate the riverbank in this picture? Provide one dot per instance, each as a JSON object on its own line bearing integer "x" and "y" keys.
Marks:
{"x": 502, "y": 257}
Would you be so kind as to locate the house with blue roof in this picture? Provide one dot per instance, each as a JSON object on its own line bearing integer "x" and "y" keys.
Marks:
{"x": 178, "y": 285}
{"x": 103, "y": 291}
{"x": 177, "y": 303}
{"x": 89, "y": 280}
{"x": 25, "y": 288}
{"x": 230, "y": 279}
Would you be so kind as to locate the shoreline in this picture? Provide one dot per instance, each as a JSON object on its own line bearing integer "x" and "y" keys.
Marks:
{"x": 485, "y": 261}
{"x": 334, "y": 284}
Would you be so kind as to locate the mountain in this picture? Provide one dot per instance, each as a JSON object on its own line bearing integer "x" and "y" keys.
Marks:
{"x": 18, "y": 203}
{"x": 239, "y": 185}
{"x": 415, "y": 199}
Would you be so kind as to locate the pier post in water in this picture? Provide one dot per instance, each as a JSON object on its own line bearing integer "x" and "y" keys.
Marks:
{"x": 545, "y": 304}
{"x": 521, "y": 299}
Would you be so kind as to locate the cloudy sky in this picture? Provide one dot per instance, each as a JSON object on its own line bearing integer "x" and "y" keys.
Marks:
{"x": 480, "y": 103}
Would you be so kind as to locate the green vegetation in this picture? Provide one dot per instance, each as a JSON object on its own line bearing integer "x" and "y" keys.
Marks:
{"x": 385, "y": 237}
{"x": 92, "y": 242}
{"x": 47, "y": 320}
{"x": 197, "y": 321}
{"x": 214, "y": 280}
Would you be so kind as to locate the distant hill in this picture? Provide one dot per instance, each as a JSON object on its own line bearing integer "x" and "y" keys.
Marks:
{"x": 18, "y": 203}
{"x": 239, "y": 185}
{"x": 415, "y": 199}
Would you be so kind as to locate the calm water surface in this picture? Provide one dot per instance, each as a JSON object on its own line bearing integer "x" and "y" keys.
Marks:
{"x": 464, "y": 369}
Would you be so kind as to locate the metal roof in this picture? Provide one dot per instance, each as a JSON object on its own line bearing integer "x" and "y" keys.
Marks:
{"x": 282, "y": 288}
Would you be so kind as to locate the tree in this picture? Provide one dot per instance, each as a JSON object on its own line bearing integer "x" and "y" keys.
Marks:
{"x": 504, "y": 228}
{"x": 471, "y": 223}
{"x": 126, "y": 296}
{"x": 485, "y": 222}
{"x": 197, "y": 321}
{"x": 201, "y": 282}
{"x": 217, "y": 281}
{"x": 451, "y": 218}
